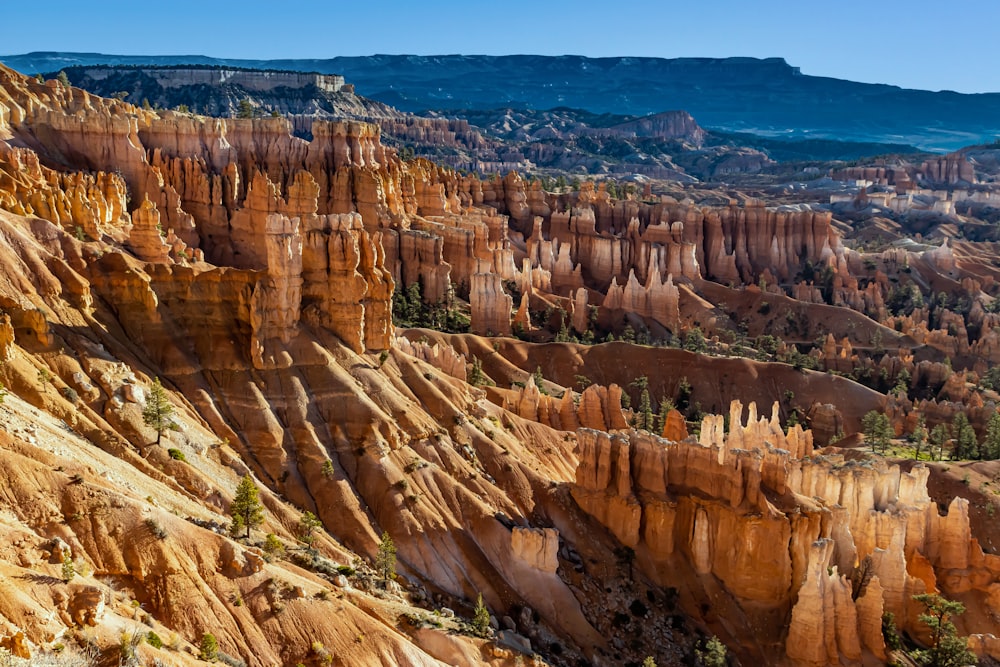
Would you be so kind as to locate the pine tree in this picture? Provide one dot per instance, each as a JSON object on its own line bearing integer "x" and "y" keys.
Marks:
{"x": 245, "y": 109}
{"x": 869, "y": 426}
{"x": 481, "y": 617}
{"x": 158, "y": 409}
{"x": 919, "y": 437}
{"x": 385, "y": 559}
{"x": 307, "y": 526}
{"x": 539, "y": 381}
{"x": 940, "y": 435}
{"x": 966, "y": 445}
{"x": 666, "y": 405}
{"x": 877, "y": 430}
{"x": 644, "y": 416}
{"x": 714, "y": 654}
{"x": 947, "y": 648}
{"x": 476, "y": 376}
{"x": 246, "y": 508}
{"x": 209, "y": 647}
{"x": 991, "y": 444}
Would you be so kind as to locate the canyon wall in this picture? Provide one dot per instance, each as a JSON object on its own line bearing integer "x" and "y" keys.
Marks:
{"x": 868, "y": 525}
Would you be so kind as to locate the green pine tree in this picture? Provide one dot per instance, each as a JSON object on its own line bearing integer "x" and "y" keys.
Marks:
{"x": 714, "y": 654}
{"x": 966, "y": 444}
{"x": 246, "y": 508}
{"x": 245, "y": 109}
{"x": 919, "y": 437}
{"x": 877, "y": 430}
{"x": 991, "y": 444}
{"x": 385, "y": 559}
{"x": 947, "y": 648}
{"x": 666, "y": 405}
{"x": 476, "y": 376}
{"x": 481, "y": 617}
{"x": 539, "y": 381}
{"x": 158, "y": 409}
{"x": 308, "y": 525}
{"x": 209, "y": 647}
{"x": 940, "y": 435}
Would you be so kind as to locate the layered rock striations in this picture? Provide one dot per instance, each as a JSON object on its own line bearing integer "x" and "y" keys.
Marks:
{"x": 253, "y": 272}
{"x": 860, "y": 538}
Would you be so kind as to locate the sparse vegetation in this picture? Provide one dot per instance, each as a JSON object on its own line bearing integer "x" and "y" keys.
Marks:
{"x": 209, "y": 647}
{"x": 128, "y": 648}
{"x": 245, "y": 109}
{"x": 157, "y": 530}
{"x": 714, "y": 654}
{"x": 273, "y": 547}
{"x": 476, "y": 376}
{"x": 68, "y": 569}
{"x": 308, "y": 525}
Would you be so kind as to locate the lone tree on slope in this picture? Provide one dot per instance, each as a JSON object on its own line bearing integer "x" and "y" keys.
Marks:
{"x": 246, "y": 509}
{"x": 385, "y": 559}
{"x": 158, "y": 409}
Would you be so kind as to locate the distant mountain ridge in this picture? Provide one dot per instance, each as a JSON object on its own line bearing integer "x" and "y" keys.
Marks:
{"x": 763, "y": 96}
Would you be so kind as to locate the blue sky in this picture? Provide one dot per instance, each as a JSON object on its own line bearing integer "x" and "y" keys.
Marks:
{"x": 918, "y": 44}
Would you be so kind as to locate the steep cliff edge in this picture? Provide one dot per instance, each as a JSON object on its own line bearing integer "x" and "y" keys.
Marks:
{"x": 857, "y": 538}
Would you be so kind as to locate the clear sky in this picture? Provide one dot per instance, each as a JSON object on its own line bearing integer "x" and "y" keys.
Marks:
{"x": 925, "y": 44}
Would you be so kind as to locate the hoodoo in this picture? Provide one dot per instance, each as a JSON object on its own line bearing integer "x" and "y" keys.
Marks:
{"x": 285, "y": 397}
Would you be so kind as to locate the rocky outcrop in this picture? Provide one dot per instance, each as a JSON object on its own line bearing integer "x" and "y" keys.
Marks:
{"x": 824, "y": 625}
{"x": 948, "y": 170}
{"x": 17, "y": 645}
{"x": 843, "y": 521}
{"x": 538, "y": 548}
{"x": 490, "y": 305}
{"x": 440, "y": 356}
{"x": 146, "y": 237}
{"x": 6, "y": 339}
{"x": 87, "y": 205}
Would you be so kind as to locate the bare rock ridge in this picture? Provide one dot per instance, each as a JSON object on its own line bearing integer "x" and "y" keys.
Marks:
{"x": 176, "y": 77}
{"x": 770, "y": 91}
